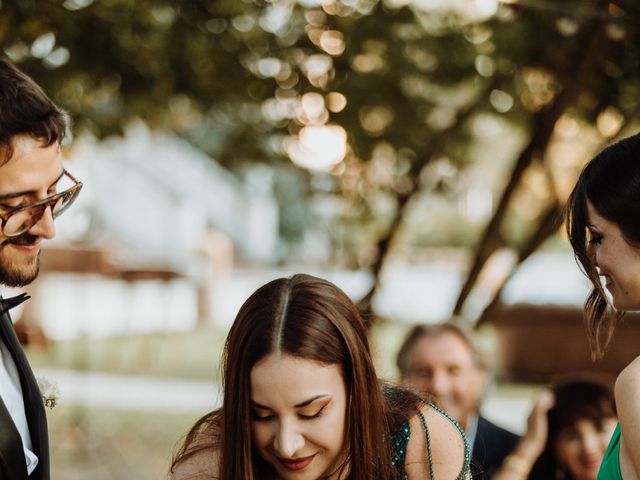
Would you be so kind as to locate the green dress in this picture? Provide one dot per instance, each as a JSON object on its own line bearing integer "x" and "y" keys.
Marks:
{"x": 401, "y": 439}
{"x": 610, "y": 467}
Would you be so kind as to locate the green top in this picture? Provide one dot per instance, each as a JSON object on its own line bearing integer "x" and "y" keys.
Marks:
{"x": 610, "y": 467}
{"x": 401, "y": 439}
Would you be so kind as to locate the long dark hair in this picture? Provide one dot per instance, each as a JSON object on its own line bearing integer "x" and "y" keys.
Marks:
{"x": 611, "y": 183}
{"x": 579, "y": 399}
{"x": 313, "y": 319}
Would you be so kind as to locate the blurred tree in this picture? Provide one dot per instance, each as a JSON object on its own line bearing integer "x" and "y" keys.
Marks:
{"x": 369, "y": 96}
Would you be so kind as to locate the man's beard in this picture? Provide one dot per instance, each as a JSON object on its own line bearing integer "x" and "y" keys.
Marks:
{"x": 15, "y": 275}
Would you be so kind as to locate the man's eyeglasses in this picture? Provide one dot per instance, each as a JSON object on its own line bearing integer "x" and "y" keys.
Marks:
{"x": 19, "y": 220}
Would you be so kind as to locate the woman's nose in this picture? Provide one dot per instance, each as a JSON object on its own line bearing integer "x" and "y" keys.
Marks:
{"x": 288, "y": 440}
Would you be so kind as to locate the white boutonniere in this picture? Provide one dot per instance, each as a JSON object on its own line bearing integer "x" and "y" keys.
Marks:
{"x": 49, "y": 391}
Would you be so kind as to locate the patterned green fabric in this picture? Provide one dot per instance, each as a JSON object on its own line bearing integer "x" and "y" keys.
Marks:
{"x": 610, "y": 468}
{"x": 401, "y": 439}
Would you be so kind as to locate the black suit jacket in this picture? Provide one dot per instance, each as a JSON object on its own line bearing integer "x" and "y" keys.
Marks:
{"x": 12, "y": 461}
{"x": 491, "y": 446}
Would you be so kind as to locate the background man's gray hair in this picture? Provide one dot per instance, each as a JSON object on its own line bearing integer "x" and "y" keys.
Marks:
{"x": 435, "y": 330}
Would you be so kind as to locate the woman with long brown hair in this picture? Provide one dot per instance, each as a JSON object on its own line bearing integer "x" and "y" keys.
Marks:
{"x": 603, "y": 223}
{"x": 302, "y": 401}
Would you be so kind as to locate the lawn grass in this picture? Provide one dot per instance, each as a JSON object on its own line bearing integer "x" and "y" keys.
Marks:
{"x": 188, "y": 355}
{"x": 101, "y": 444}
{"x": 191, "y": 355}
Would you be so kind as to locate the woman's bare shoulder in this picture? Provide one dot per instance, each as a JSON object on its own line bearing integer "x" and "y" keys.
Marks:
{"x": 627, "y": 390}
{"x": 628, "y": 378}
{"x": 445, "y": 441}
{"x": 627, "y": 393}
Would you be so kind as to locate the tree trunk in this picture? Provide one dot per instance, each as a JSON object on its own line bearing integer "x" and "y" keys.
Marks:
{"x": 573, "y": 80}
{"x": 432, "y": 148}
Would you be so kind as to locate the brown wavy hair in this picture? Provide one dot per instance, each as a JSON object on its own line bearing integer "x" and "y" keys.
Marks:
{"x": 611, "y": 183}
{"x": 26, "y": 110}
{"x": 312, "y": 319}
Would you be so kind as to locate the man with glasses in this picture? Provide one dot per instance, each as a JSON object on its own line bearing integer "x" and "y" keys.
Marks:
{"x": 34, "y": 190}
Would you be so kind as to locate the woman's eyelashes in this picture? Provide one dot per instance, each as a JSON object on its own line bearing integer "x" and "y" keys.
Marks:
{"x": 313, "y": 415}
{"x": 595, "y": 240}
{"x": 261, "y": 418}
{"x": 265, "y": 417}
{"x": 593, "y": 237}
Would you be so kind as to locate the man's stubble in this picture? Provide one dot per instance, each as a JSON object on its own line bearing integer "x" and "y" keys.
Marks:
{"x": 15, "y": 275}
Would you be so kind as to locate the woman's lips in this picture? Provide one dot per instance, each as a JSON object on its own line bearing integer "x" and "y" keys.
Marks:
{"x": 591, "y": 464}
{"x": 296, "y": 464}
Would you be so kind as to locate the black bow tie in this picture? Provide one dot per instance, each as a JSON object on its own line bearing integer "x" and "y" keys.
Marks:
{"x": 7, "y": 304}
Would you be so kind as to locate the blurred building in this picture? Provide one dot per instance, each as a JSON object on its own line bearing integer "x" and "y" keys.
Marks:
{"x": 157, "y": 226}
{"x": 158, "y": 198}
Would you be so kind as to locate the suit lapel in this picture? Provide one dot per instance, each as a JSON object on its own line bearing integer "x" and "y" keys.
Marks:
{"x": 12, "y": 462}
{"x": 34, "y": 409}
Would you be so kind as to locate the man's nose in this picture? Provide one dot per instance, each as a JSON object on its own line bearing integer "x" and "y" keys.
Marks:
{"x": 440, "y": 384}
{"x": 44, "y": 227}
{"x": 288, "y": 440}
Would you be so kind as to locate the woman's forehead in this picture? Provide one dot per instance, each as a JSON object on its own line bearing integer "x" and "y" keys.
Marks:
{"x": 289, "y": 379}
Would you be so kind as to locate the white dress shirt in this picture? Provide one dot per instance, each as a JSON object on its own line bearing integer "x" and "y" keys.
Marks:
{"x": 11, "y": 393}
{"x": 471, "y": 431}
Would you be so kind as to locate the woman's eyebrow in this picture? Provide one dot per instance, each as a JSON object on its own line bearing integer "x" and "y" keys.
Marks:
{"x": 299, "y": 405}
{"x": 311, "y": 400}
{"x": 258, "y": 405}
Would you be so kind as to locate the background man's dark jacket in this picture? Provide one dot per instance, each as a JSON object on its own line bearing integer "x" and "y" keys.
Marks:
{"x": 491, "y": 446}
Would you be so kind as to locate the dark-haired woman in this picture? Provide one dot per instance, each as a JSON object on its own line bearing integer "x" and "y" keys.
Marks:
{"x": 567, "y": 434}
{"x": 302, "y": 401}
{"x": 603, "y": 223}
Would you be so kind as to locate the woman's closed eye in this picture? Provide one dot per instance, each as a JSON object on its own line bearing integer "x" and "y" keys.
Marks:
{"x": 264, "y": 416}
{"x": 261, "y": 416}
{"x": 311, "y": 416}
{"x": 594, "y": 237}
{"x": 603, "y": 425}
{"x": 569, "y": 434}
{"x": 595, "y": 240}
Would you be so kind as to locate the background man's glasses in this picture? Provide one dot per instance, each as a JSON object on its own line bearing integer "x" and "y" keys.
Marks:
{"x": 19, "y": 220}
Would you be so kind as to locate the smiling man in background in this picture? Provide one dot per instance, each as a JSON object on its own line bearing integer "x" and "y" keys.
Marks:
{"x": 34, "y": 189}
{"x": 443, "y": 362}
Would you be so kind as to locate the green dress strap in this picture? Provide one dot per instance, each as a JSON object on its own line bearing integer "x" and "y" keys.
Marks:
{"x": 610, "y": 467}
{"x": 401, "y": 439}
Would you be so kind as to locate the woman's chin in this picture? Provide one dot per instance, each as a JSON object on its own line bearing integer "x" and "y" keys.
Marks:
{"x": 591, "y": 466}
{"x": 625, "y": 305}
